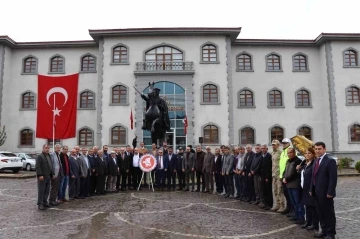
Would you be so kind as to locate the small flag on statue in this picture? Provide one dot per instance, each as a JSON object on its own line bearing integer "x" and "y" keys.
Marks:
{"x": 185, "y": 125}
{"x": 131, "y": 120}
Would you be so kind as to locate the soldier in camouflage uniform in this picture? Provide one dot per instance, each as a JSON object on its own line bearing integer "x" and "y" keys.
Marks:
{"x": 279, "y": 200}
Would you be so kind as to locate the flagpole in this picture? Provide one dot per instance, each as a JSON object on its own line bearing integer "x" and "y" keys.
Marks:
{"x": 54, "y": 126}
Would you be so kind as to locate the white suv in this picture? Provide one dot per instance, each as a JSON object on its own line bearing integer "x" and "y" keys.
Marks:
{"x": 9, "y": 161}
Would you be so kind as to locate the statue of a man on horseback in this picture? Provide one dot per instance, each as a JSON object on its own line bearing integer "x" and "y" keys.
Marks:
{"x": 156, "y": 118}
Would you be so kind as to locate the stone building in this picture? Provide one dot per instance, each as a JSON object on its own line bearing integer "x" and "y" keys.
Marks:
{"x": 233, "y": 91}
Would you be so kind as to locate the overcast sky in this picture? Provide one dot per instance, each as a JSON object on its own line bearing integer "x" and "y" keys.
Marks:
{"x": 47, "y": 20}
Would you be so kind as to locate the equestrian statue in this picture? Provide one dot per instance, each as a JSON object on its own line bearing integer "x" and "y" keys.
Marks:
{"x": 156, "y": 118}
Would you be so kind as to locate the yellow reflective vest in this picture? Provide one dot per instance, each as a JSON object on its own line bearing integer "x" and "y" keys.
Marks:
{"x": 283, "y": 159}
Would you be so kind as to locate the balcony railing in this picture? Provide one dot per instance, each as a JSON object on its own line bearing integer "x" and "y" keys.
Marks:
{"x": 165, "y": 66}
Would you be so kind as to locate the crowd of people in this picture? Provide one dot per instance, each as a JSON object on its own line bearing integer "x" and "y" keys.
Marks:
{"x": 278, "y": 181}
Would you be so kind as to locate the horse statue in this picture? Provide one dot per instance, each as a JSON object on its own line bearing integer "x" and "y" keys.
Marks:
{"x": 156, "y": 118}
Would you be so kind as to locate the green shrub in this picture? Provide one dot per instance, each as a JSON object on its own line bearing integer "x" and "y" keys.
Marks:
{"x": 345, "y": 162}
{"x": 357, "y": 166}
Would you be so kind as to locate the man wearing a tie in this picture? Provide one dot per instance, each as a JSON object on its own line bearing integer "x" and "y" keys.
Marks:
{"x": 162, "y": 165}
{"x": 57, "y": 177}
{"x": 323, "y": 189}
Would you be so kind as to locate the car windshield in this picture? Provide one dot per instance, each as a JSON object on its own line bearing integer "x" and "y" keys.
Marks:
{"x": 8, "y": 155}
{"x": 31, "y": 156}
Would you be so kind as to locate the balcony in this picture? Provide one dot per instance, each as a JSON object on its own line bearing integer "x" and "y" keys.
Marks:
{"x": 165, "y": 67}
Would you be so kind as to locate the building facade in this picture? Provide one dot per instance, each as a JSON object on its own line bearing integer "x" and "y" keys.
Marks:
{"x": 232, "y": 91}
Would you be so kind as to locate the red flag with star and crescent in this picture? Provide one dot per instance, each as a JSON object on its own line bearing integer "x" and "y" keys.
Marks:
{"x": 57, "y": 106}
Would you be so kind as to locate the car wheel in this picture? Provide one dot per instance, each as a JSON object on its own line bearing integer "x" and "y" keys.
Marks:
{"x": 28, "y": 167}
{"x": 16, "y": 170}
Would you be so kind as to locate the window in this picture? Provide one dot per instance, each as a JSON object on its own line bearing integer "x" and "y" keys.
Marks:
{"x": 300, "y": 62}
{"x": 57, "y": 64}
{"x": 120, "y": 55}
{"x": 211, "y": 134}
{"x": 355, "y": 133}
{"x": 247, "y": 136}
{"x": 277, "y": 132}
{"x": 244, "y": 62}
{"x": 26, "y": 137}
{"x": 275, "y": 98}
{"x": 303, "y": 98}
{"x": 305, "y": 131}
{"x": 210, "y": 94}
{"x": 119, "y": 94}
{"x": 118, "y": 135}
{"x": 28, "y": 100}
{"x": 273, "y": 62}
{"x": 87, "y": 100}
{"x": 30, "y": 65}
{"x": 209, "y": 53}
{"x": 50, "y": 141}
{"x": 352, "y": 95}
{"x": 88, "y": 63}
{"x": 350, "y": 57}
{"x": 164, "y": 53}
{"x": 85, "y": 137}
{"x": 246, "y": 99}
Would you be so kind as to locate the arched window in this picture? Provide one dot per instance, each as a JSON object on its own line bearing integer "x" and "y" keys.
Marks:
{"x": 277, "y": 132}
{"x": 28, "y": 100}
{"x": 88, "y": 63}
{"x": 244, "y": 62}
{"x": 26, "y": 137}
{"x": 273, "y": 62}
{"x": 57, "y": 64}
{"x": 86, "y": 136}
{"x": 30, "y": 65}
{"x": 275, "y": 98}
{"x": 87, "y": 100}
{"x": 118, "y": 135}
{"x": 355, "y": 133}
{"x": 119, "y": 94}
{"x": 120, "y": 54}
{"x": 210, "y": 94}
{"x": 305, "y": 131}
{"x": 303, "y": 98}
{"x": 211, "y": 134}
{"x": 300, "y": 62}
{"x": 246, "y": 98}
{"x": 247, "y": 136}
{"x": 350, "y": 57}
{"x": 164, "y": 58}
{"x": 352, "y": 95}
{"x": 209, "y": 53}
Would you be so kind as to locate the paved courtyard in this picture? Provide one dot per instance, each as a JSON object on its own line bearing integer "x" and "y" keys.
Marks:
{"x": 159, "y": 215}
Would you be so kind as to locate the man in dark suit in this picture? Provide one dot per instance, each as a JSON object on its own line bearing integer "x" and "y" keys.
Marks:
{"x": 101, "y": 170}
{"x": 92, "y": 180}
{"x": 256, "y": 173}
{"x": 188, "y": 167}
{"x": 249, "y": 182}
{"x": 161, "y": 169}
{"x": 266, "y": 179}
{"x": 113, "y": 171}
{"x": 207, "y": 171}
{"x": 217, "y": 171}
{"x": 179, "y": 172}
{"x": 124, "y": 167}
{"x": 119, "y": 164}
{"x": 75, "y": 173}
{"x": 44, "y": 174}
{"x": 129, "y": 157}
{"x": 227, "y": 172}
{"x": 64, "y": 158}
{"x": 199, "y": 164}
{"x": 323, "y": 189}
{"x": 171, "y": 172}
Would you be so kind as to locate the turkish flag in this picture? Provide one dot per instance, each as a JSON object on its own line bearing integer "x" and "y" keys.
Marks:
{"x": 57, "y": 106}
{"x": 131, "y": 120}
{"x": 185, "y": 125}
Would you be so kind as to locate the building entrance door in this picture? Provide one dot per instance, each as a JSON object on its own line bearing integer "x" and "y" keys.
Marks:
{"x": 170, "y": 139}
